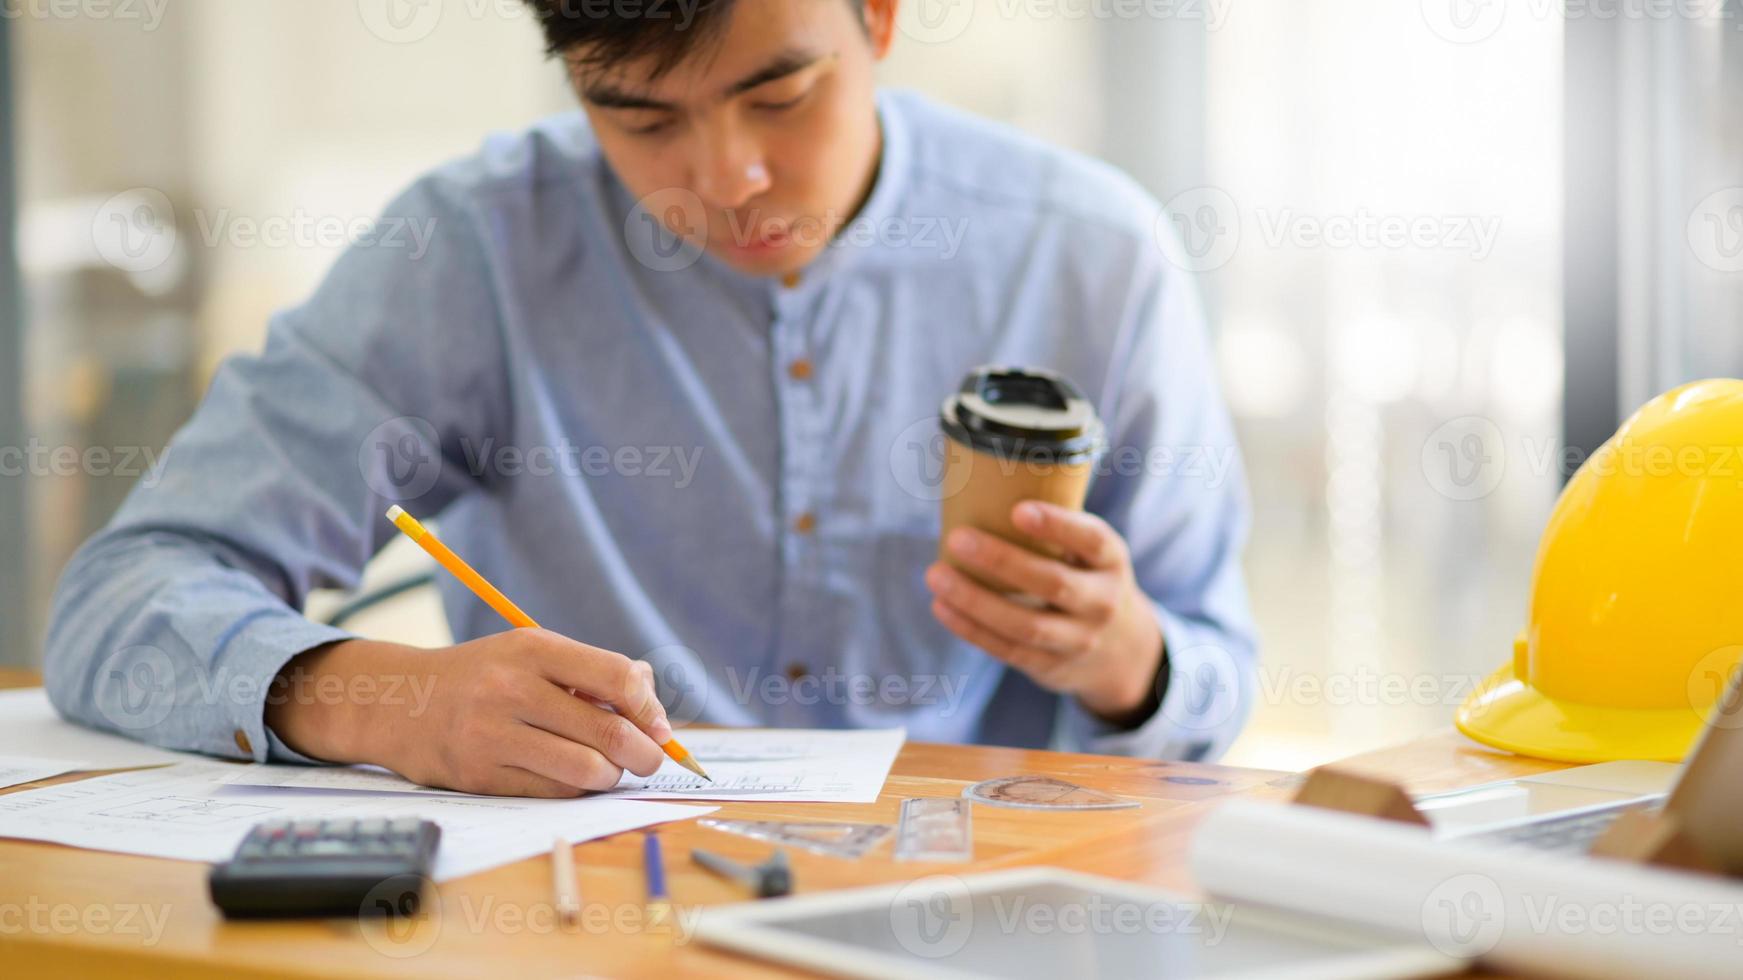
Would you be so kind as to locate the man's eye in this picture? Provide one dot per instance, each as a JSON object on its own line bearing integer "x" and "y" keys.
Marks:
{"x": 644, "y": 122}
{"x": 780, "y": 105}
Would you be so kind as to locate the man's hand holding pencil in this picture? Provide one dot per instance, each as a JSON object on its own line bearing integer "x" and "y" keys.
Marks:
{"x": 526, "y": 712}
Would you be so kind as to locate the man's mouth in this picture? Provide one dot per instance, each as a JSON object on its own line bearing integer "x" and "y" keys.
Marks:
{"x": 763, "y": 240}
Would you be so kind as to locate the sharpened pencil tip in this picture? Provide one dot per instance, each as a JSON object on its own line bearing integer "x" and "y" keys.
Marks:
{"x": 689, "y": 762}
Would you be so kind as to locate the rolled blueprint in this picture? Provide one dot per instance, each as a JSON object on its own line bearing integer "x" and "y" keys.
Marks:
{"x": 1539, "y": 913}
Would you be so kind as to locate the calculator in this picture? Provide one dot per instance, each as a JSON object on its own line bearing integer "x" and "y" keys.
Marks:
{"x": 314, "y": 868}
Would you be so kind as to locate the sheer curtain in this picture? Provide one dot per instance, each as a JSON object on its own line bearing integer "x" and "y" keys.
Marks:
{"x": 1373, "y": 201}
{"x": 1680, "y": 293}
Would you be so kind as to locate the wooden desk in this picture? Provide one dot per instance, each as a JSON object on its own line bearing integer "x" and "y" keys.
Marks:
{"x": 501, "y": 921}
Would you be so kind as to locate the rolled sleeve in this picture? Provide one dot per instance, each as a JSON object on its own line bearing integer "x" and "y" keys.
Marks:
{"x": 250, "y": 661}
{"x": 193, "y": 668}
{"x": 261, "y": 653}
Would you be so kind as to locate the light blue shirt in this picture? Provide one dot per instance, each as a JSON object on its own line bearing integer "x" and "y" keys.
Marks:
{"x": 613, "y": 430}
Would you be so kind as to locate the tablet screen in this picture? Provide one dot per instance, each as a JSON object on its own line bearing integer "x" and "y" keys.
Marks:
{"x": 1054, "y": 925}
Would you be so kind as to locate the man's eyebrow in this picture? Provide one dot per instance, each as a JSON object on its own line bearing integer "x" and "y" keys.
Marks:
{"x": 607, "y": 97}
{"x": 784, "y": 64}
{"x": 780, "y": 66}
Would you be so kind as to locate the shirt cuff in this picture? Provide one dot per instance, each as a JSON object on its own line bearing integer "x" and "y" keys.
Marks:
{"x": 1201, "y": 710}
{"x": 251, "y": 659}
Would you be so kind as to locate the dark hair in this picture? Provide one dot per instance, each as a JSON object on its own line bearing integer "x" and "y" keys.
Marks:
{"x": 608, "y": 33}
{"x": 605, "y": 34}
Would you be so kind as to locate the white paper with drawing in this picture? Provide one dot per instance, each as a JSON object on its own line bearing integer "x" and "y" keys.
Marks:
{"x": 749, "y": 764}
{"x": 366, "y": 779}
{"x": 771, "y": 764}
{"x": 16, "y": 769}
{"x": 187, "y": 811}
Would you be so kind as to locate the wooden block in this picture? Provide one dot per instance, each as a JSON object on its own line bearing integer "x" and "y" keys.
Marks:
{"x": 1333, "y": 789}
{"x": 1654, "y": 838}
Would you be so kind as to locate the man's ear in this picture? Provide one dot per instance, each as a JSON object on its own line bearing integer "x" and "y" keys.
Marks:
{"x": 880, "y": 25}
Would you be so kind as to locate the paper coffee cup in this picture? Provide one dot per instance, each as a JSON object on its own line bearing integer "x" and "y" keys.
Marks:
{"x": 1014, "y": 434}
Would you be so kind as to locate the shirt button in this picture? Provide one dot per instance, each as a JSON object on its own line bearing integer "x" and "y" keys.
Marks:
{"x": 797, "y": 672}
{"x": 790, "y": 280}
{"x": 243, "y": 743}
{"x": 799, "y": 369}
{"x": 806, "y": 523}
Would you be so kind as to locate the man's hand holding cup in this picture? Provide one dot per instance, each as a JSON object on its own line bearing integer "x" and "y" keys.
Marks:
{"x": 1097, "y": 637}
{"x": 1024, "y": 573}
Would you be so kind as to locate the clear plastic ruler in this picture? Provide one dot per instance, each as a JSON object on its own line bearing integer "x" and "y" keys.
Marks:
{"x": 935, "y": 829}
{"x": 1042, "y": 793}
{"x": 842, "y": 840}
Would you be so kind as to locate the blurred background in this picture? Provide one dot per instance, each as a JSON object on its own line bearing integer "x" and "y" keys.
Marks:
{"x": 1446, "y": 245}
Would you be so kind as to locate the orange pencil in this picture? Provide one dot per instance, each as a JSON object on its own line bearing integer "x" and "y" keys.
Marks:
{"x": 499, "y": 602}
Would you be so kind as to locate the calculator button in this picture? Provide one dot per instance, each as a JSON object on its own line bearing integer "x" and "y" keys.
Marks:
{"x": 315, "y": 867}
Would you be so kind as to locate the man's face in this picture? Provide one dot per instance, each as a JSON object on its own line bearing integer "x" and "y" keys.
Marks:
{"x": 772, "y": 125}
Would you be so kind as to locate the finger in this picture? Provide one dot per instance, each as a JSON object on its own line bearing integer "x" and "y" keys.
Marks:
{"x": 1053, "y": 582}
{"x": 503, "y": 780}
{"x": 559, "y": 759}
{"x": 1085, "y": 536}
{"x": 515, "y": 781}
{"x": 1017, "y": 623}
{"x": 609, "y": 733}
{"x": 610, "y": 678}
{"x": 1039, "y": 664}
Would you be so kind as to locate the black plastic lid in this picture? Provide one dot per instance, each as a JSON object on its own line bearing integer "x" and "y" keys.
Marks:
{"x": 1022, "y": 413}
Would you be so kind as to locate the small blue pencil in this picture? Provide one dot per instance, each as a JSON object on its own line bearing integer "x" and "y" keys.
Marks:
{"x": 654, "y": 866}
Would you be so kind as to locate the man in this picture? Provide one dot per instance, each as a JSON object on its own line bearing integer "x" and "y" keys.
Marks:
{"x": 695, "y": 449}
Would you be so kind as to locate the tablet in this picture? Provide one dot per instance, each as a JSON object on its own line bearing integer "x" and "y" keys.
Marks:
{"x": 1489, "y": 807}
{"x": 1047, "y": 922}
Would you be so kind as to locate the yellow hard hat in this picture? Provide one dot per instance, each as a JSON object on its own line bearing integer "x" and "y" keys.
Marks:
{"x": 1637, "y": 600}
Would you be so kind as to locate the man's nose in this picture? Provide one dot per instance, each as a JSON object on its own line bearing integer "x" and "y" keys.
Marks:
{"x": 730, "y": 170}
